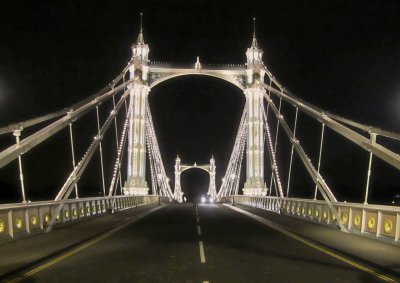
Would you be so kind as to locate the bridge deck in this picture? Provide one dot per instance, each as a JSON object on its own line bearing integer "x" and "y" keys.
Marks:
{"x": 176, "y": 244}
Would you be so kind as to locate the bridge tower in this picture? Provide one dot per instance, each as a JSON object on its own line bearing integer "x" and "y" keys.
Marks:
{"x": 209, "y": 168}
{"x": 178, "y": 190}
{"x": 136, "y": 181}
{"x": 254, "y": 93}
{"x": 212, "y": 190}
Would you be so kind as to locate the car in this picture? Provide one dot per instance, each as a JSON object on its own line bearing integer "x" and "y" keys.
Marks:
{"x": 206, "y": 199}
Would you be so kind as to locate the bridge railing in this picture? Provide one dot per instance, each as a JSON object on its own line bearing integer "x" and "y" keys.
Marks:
{"x": 20, "y": 220}
{"x": 376, "y": 221}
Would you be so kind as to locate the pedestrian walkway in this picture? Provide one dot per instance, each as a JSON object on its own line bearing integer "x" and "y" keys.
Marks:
{"x": 24, "y": 252}
{"x": 376, "y": 253}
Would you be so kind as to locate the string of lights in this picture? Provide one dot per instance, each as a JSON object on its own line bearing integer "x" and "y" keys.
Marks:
{"x": 158, "y": 171}
{"x": 230, "y": 181}
{"x": 121, "y": 146}
{"x": 272, "y": 155}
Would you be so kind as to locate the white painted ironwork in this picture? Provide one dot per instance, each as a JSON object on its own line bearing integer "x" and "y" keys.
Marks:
{"x": 101, "y": 152}
{"x": 73, "y": 157}
{"x": 319, "y": 157}
{"x": 17, "y": 134}
{"x": 28, "y": 143}
{"x": 291, "y": 152}
{"x": 373, "y": 141}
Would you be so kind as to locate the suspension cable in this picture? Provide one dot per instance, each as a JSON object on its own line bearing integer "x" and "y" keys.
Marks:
{"x": 274, "y": 165}
{"x": 117, "y": 165}
{"x": 230, "y": 182}
{"x": 158, "y": 172}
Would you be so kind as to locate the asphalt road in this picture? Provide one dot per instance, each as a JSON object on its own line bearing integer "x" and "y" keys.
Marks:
{"x": 180, "y": 243}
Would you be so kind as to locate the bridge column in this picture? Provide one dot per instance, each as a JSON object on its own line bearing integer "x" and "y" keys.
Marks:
{"x": 254, "y": 92}
{"x": 212, "y": 191}
{"x": 136, "y": 182}
{"x": 177, "y": 190}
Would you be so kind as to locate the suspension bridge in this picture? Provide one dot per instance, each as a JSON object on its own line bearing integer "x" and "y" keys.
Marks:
{"x": 142, "y": 230}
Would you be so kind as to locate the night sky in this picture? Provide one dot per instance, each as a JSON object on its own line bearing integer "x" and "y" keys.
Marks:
{"x": 342, "y": 56}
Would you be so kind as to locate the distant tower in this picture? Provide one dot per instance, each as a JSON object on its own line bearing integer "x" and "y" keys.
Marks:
{"x": 197, "y": 65}
{"x": 254, "y": 92}
{"x": 178, "y": 190}
{"x": 139, "y": 90}
{"x": 212, "y": 191}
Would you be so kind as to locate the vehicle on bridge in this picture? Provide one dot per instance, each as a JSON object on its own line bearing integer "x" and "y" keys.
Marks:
{"x": 206, "y": 199}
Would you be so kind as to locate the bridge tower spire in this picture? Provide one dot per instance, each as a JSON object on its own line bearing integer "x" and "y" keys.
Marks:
{"x": 139, "y": 90}
{"x": 254, "y": 92}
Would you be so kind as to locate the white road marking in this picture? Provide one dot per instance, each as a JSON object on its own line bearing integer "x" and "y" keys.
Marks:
{"x": 198, "y": 220}
{"x": 198, "y": 230}
{"x": 202, "y": 256}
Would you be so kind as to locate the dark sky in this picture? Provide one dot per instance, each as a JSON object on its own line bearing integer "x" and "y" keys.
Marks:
{"x": 343, "y": 56}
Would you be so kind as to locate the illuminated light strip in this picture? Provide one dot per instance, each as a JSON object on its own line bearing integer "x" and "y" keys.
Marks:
{"x": 155, "y": 155}
{"x": 226, "y": 188}
{"x": 272, "y": 151}
{"x": 122, "y": 143}
{"x": 152, "y": 162}
{"x": 230, "y": 185}
{"x": 240, "y": 163}
{"x": 319, "y": 248}
{"x": 84, "y": 245}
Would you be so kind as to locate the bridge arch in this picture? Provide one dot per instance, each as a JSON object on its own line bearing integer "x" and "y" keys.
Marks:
{"x": 235, "y": 78}
{"x": 195, "y": 93}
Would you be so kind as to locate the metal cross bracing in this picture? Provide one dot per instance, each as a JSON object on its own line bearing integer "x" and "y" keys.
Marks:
{"x": 257, "y": 137}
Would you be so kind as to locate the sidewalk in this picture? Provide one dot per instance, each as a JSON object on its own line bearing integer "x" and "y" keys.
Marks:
{"x": 379, "y": 254}
{"x": 25, "y": 252}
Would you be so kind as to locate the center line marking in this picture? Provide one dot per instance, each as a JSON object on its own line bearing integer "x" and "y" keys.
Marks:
{"x": 198, "y": 230}
{"x": 197, "y": 218}
{"x": 202, "y": 256}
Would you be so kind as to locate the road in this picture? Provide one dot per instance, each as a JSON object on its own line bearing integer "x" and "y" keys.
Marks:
{"x": 180, "y": 243}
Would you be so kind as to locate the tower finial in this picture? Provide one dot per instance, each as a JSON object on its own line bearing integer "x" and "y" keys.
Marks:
{"x": 140, "y": 39}
{"x": 254, "y": 42}
{"x": 254, "y": 27}
{"x": 141, "y": 22}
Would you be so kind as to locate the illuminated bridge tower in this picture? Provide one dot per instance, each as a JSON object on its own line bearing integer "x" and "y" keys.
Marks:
{"x": 178, "y": 190}
{"x": 139, "y": 90}
{"x": 179, "y": 168}
{"x": 254, "y": 92}
{"x": 212, "y": 190}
